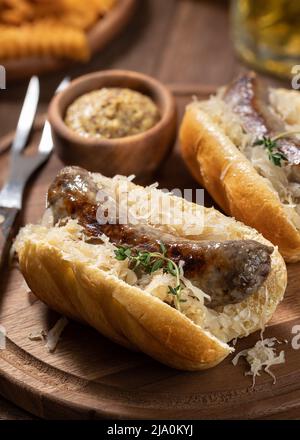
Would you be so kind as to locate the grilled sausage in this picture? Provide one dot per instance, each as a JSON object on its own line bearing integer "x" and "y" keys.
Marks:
{"x": 228, "y": 271}
{"x": 247, "y": 99}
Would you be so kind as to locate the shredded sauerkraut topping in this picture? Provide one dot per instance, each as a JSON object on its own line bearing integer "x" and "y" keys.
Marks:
{"x": 279, "y": 179}
{"x": 38, "y": 335}
{"x": 261, "y": 357}
{"x": 287, "y": 105}
{"x": 227, "y": 323}
{"x": 2, "y": 337}
{"x": 54, "y": 334}
{"x": 153, "y": 206}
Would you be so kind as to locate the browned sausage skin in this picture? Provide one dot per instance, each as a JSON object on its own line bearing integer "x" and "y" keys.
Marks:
{"x": 250, "y": 102}
{"x": 228, "y": 271}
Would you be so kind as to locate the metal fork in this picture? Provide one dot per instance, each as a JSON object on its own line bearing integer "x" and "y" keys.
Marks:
{"x": 22, "y": 167}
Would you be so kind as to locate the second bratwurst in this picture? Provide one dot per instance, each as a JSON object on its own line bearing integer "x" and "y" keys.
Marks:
{"x": 228, "y": 271}
{"x": 251, "y": 103}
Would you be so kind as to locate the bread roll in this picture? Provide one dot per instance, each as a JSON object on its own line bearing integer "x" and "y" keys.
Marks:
{"x": 254, "y": 191}
{"x": 84, "y": 281}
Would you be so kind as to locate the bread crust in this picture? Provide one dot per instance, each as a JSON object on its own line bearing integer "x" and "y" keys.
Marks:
{"x": 130, "y": 316}
{"x": 233, "y": 182}
{"x": 120, "y": 312}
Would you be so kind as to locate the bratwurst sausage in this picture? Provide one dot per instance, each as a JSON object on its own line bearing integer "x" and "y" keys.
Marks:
{"x": 228, "y": 271}
{"x": 247, "y": 99}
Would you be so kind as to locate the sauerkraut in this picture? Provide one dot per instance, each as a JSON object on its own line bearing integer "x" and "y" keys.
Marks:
{"x": 2, "y": 337}
{"x": 261, "y": 357}
{"x": 279, "y": 179}
{"x": 229, "y": 322}
{"x": 226, "y": 323}
{"x": 54, "y": 334}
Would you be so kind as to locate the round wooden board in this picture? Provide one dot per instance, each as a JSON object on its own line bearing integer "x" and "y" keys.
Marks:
{"x": 90, "y": 377}
{"x": 98, "y": 37}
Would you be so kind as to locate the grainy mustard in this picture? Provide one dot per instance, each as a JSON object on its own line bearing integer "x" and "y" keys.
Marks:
{"x": 111, "y": 113}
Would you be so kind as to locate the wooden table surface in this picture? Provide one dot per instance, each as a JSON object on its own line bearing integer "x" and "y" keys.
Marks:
{"x": 177, "y": 41}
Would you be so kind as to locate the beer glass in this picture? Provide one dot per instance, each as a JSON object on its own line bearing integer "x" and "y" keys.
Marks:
{"x": 266, "y": 34}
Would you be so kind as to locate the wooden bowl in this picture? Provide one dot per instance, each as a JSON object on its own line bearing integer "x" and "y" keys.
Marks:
{"x": 140, "y": 154}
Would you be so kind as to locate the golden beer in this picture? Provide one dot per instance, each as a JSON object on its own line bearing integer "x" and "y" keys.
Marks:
{"x": 266, "y": 33}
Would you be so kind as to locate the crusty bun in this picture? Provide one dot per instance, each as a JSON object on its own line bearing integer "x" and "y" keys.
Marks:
{"x": 81, "y": 280}
{"x": 208, "y": 145}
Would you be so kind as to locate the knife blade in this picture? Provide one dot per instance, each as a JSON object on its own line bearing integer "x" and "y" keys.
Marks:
{"x": 46, "y": 144}
{"x": 27, "y": 115}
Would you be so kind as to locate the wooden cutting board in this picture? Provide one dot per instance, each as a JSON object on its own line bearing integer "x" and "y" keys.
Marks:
{"x": 98, "y": 36}
{"x": 90, "y": 377}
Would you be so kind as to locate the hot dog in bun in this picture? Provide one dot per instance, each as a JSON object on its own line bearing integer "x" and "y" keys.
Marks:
{"x": 243, "y": 146}
{"x": 178, "y": 291}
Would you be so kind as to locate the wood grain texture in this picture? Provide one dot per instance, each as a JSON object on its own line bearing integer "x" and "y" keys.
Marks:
{"x": 90, "y": 377}
{"x": 174, "y": 48}
{"x": 98, "y": 37}
{"x": 9, "y": 411}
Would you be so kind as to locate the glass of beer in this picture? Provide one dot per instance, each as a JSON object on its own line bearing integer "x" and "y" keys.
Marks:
{"x": 266, "y": 34}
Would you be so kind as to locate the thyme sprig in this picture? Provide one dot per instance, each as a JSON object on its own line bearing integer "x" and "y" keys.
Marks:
{"x": 274, "y": 155}
{"x": 150, "y": 262}
{"x": 270, "y": 144}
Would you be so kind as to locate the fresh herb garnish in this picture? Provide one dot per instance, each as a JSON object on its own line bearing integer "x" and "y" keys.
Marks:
{"x": 275, "y": 156}
{"x": 150, "y": 262}
{"x": 270, "y": 144}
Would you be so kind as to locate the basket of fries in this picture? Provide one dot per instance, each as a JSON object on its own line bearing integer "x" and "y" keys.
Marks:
{"x": 57, "y": 30}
